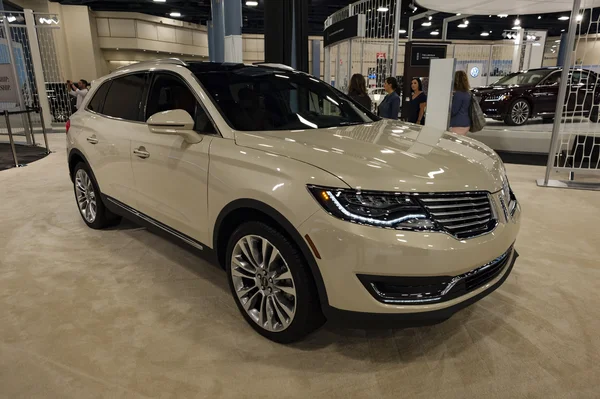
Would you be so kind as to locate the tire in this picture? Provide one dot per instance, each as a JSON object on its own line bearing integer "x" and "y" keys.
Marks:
{"x": 89, "y": 200}
{"x": 518, "y": 113}
{"x": 280, "y": 301}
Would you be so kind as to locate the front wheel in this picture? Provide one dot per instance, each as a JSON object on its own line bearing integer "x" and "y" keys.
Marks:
{"x": 518, "y": 113}
{"x": 271, "y": 283}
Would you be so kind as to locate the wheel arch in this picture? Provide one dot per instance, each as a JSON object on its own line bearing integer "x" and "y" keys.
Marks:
{"x": 76, "y": 156}
{"x": 245, "y": 209}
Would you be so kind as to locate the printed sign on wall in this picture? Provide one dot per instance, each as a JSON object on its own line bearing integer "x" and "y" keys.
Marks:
{"x": 8, "y": 86}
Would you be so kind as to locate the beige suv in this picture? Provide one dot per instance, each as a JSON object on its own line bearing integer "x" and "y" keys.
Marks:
{"x": 315, "y": 208}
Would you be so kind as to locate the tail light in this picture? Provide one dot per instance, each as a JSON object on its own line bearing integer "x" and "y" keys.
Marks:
{"x": 68, "y": 126}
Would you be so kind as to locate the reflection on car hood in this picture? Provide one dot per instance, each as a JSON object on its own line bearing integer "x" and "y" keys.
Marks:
{"x": 388, "y": 155}
{"x": 498, "y": 89}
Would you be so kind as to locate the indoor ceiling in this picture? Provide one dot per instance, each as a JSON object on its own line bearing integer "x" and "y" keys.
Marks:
{"x": 198, "y": 11}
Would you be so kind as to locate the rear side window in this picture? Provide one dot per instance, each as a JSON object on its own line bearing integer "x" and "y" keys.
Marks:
{"x": 124, "y": 97}
{"x": 98, "y": 99}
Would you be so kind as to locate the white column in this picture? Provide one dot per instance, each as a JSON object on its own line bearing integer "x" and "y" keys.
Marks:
{"x": 38, "y": 70}
{"x": 441, "y": 79}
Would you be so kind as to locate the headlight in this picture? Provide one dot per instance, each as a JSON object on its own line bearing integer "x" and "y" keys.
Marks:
{"x": 398, "y": 211}
{"x": 498, "y": 98}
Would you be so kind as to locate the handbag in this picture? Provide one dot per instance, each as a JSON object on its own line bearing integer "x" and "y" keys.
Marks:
{"x": 477, "y": 116}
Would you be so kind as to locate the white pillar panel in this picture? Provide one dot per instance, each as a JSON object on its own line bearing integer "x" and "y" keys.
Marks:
{"x": 441, "y": 79}
{"x": 233, "y": 49}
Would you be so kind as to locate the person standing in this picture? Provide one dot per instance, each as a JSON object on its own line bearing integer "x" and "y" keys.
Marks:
{"x": 358, "y": 91}
{"x": 390, "y": 106}
{"x": 78, "y": 91}
{"x": 417, "y": 103}
{"x": 460, "y": 120}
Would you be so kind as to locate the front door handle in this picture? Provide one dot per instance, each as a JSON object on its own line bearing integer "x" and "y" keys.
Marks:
{"x": 141, "y": 152}
{"x": 92, "y": 140}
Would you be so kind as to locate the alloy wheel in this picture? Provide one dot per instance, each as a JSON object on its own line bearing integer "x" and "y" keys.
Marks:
{"x": 263, "y": 283}
{"x": 86, "y": 196}
{"x": 520, "y": 112}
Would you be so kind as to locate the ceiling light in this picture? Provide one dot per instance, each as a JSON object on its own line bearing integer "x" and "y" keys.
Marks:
{"x": 426, "y": 23}
{"x": 402, "y": 31}
{"x": 466, "y": 22}
{"x": 516, "y": 27}
{"x": 562, "y": 30}
{"x": 462, "y": 25}
{"x": 536, "y": 44}
{"x": 10, "y": 18}
{"x": 175, "y": 14}
{"x": 539, "y": 17}
{"x": 435, "y": 33}
{"x": 160, "y": 1}
{"x": 554, "y": 45}
{"x": 251, "y": 3}
{"x": 458, "y": 14}
{"x": 430, "y": 17}
{"x": 484, "y": 34}
{"x": 557, "y": 41}
{"x": 383, "y": 9}
{"x": 502, "y": 15}
{"x": 579, "y": 17}
{"x": 563, "y": 18}
{"x": 517, "y": 22}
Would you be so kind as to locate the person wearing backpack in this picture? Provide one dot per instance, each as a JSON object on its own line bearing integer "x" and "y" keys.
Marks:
{"x": 460, "y": 119}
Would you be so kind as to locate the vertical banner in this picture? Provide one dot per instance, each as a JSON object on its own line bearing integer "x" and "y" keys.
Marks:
{"x": 8, "y": 85}
{"x": 439, "y": 97}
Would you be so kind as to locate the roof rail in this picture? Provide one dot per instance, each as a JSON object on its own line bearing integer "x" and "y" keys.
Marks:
{"x": 274, "y": 65}
{"x": 160, "y": 61}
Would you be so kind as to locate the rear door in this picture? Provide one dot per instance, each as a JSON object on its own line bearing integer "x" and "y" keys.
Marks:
{"x": 171, "y": 175}
{"x": 114, "y": 118}
{"x": 580, "y": 93}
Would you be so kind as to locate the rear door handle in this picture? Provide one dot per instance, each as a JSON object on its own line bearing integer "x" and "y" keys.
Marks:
{"x": 141, "y": 152}
{"x": 92, "y": 140}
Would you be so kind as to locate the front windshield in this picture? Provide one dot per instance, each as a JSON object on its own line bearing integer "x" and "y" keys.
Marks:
{"x": 257, "y": 98}
{"x": 522, "y": 78}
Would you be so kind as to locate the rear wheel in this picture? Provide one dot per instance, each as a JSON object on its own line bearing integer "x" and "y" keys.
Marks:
{"x": 518, "y": 113}
{"x": 271, "y": 284}
{"x": 89, "y": 202}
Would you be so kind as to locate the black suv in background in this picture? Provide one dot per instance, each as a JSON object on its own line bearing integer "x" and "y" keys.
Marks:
{"x": 522, "y": 95}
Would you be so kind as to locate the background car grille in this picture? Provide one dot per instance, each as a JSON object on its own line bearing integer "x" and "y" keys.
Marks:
{"x": 463, "y": 215}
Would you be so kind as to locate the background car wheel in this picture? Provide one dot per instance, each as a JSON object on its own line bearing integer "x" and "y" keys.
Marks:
{"x": 518, "y": 113}
{"x": 89, "y": 201}
{"x": 271, "y": 283}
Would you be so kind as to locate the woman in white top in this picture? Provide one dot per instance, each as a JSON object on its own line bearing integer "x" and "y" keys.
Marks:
{"x": 79, "y": 91}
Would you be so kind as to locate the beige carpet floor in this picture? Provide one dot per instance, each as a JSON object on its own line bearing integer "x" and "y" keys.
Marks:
{"x": 124, "y": 313}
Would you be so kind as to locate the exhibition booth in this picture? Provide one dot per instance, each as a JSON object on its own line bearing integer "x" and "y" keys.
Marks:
{"x": 518, "y": 80}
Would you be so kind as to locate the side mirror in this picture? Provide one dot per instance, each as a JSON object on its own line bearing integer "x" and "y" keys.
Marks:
{"x": 176, "y": 122}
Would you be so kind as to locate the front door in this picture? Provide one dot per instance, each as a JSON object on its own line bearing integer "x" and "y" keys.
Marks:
{"x": 546, "y": 94}
{"x": 171, "y": 175}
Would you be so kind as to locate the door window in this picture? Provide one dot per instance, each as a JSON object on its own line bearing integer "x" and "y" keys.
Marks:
{"x": 124, "y": 97}
{"x": 552, "y": 79}
{"x": 169, "y": 92}
{"x": 98, "y": 100}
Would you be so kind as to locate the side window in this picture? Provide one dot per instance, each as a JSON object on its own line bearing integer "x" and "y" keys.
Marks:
{"x": 169, "y": 92}
{"x": 553, "y": 79}
{"x": 98, "y": 100}
{"x": 124, "y": 97}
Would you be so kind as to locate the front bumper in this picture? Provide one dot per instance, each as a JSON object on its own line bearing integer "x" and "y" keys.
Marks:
{"x": 493, "y": 109}
{"x": 349, "y": 251}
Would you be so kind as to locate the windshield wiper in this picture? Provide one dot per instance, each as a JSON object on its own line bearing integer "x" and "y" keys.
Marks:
{"x": 350, "y": 123}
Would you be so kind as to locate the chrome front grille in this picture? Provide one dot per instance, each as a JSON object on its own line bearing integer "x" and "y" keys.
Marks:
{"x": 464, "y": 215}
{"x": 434, "y": 289}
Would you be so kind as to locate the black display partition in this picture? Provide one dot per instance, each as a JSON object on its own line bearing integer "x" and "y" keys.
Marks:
{"x": 417, "y": 58}
{"x": 281, "y": 17}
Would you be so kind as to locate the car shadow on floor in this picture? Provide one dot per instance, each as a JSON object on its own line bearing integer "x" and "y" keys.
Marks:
{"x": 398, "y": 344}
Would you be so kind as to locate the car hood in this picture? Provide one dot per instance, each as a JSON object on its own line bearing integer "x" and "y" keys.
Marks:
{"x": 388, "y": 155}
